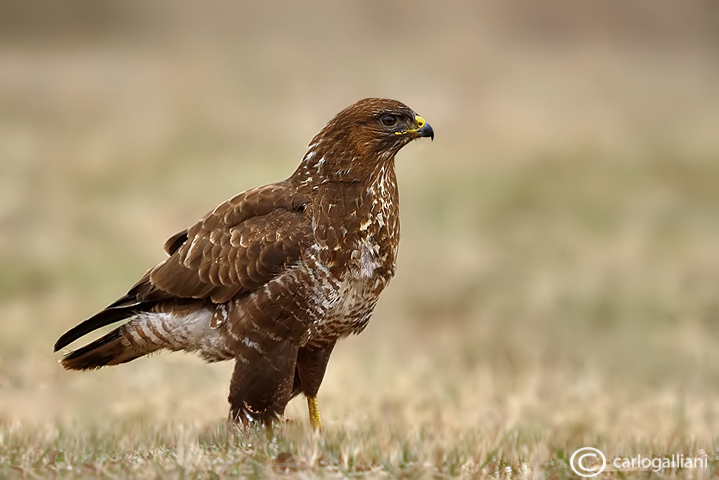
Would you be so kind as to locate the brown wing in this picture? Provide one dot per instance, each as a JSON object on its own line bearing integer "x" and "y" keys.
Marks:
{"x": 239, "y": 246}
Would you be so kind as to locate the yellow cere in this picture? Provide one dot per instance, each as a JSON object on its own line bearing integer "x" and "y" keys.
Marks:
{"x": 420, "y": 123}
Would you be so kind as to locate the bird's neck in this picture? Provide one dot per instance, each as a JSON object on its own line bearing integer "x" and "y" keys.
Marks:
{"x": 320, "y": 167}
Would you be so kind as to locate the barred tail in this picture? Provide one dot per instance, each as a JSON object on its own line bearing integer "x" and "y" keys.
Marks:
{"x": 122, "y": 345}
{"x": 148, "y": 332}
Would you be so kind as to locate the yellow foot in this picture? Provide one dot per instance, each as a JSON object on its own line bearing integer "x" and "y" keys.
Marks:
{"x": 314, "y": 409}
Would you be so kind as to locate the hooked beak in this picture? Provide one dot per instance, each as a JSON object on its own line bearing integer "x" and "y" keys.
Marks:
{"x": 424, "y": 129}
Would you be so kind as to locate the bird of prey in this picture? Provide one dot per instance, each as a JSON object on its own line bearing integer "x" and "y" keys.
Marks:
{"x": 274, "y": 276}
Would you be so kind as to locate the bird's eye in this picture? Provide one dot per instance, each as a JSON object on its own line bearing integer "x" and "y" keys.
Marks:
{"x": 389, "y": 120}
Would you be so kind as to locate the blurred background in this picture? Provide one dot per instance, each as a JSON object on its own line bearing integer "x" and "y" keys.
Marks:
{"x": 559, "y": 263}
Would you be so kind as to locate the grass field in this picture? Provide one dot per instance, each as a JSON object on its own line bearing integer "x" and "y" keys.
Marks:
{"x": 558, "y": 279}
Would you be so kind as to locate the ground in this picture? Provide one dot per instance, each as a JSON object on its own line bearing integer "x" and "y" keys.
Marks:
{"x": 558, "y": 269}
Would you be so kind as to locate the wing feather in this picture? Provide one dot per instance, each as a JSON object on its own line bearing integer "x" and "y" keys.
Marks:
{"x": 239, "y": 246}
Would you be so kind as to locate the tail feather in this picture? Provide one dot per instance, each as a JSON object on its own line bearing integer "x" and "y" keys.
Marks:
{"x": 112, "y": 314}
{"x": 142, "y": 297}
{"x": 127, "y": 342}
{"x": 112, "y": 349}
{"x": 148, "y": 332}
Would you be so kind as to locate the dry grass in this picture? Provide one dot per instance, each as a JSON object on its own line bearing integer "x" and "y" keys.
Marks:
{"x": 559, "y": 268}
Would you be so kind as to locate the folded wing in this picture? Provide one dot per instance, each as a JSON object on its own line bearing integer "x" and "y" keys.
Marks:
{"x": 237, "y": 248}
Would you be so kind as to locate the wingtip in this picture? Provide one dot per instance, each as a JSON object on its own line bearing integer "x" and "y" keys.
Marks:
{"x": 116, "y": 312}
{"x": 58, "y": 345}
{"x": 65, "y": 339}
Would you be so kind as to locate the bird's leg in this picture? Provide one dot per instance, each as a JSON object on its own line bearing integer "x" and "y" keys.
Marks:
{"x": 311, "y": 365}
{"x": 314, "y": 409}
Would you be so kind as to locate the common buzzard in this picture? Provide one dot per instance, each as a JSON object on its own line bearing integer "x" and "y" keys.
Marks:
{"x": 274, "y": 276}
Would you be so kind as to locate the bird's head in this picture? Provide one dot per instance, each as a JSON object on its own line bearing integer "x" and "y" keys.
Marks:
{"x": 362, "y": 137}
